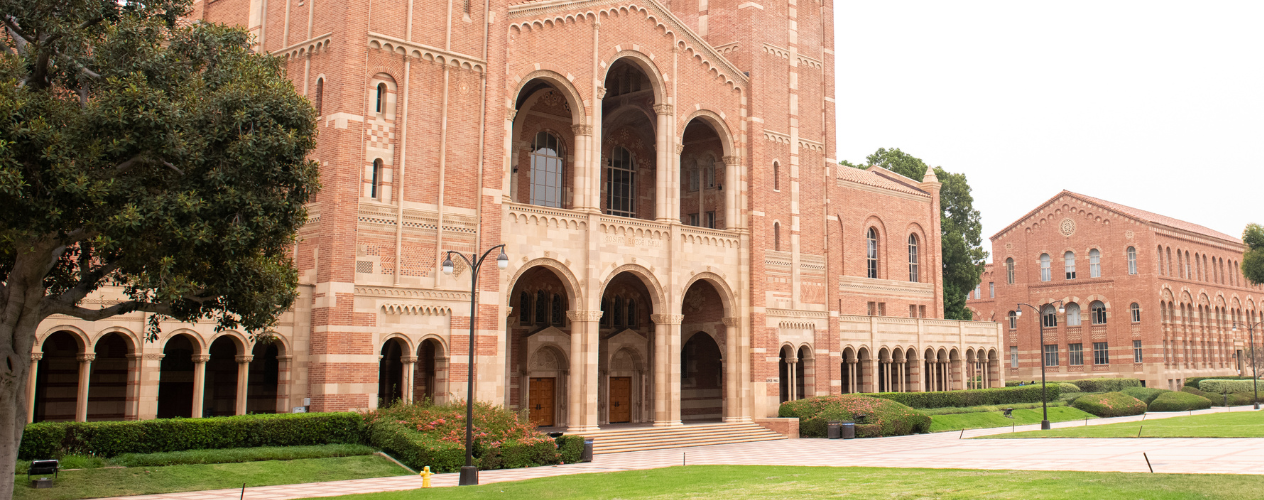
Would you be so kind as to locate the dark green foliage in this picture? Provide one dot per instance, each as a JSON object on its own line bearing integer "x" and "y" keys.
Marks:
{"x": 1193, "y": 390}
{"x": 108, "y": 439}
{"x": 1226, "y": 386}
{"x": 416, "y": 449}
{"x": 1145, "y": 394}
{"x": 1193, "y": 381}
{"x": 571, "y": 448}
{"x": 1253, "y": 258}
{"x": 1179, "y": 401}
{"x": 1106, "y": 384}
{"x": 973, "y": 397}
{"x": 1110, "y": 404}
{"x": 882, "y": 417}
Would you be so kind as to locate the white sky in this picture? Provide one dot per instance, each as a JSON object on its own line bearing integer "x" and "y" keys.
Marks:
{"x": 1155, "y": 105}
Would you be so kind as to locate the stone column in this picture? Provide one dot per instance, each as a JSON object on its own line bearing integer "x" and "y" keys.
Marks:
{"x": 131, "y": 408}
{"x": 583, "y": 388}
{"x": 85, "y": 375}
{"x": 409, "y": 365}
{"x": 586, "y": 188}
{"x": 30, "y": 386}
{"x": 732, "y": 192}
{"x": 284, "y": 380}
{"x": 243, "y": 382}
{"x": 662, "y": 168}
{"x": 150, "y": 375}
{"x": 903, "y": 366}
{"x": 199, "y": 382}
{"x": 793, "y": 371}
{"x": 666, "y": 369}
{"x": 851, "y": 377}
{"x": 732, "y": 370}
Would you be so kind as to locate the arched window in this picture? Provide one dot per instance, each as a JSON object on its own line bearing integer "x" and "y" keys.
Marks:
{"x": 524, "y": 308}
{"x": 558, "y": 311}
{"x": 1046, "y": 273}
{"x": 1162, "y": 271}
{"x": 541, "y": 307}
{"x": 1135, "y": 309}
{"x": 381, "y": 98}
{"x": 1009, "y": 270}
{"x": 1094, "y": 263}
{"x": 776, "y": 236}
{"x": 1189, "y": 270}
{"x": 1198, "y": 268}
{"x": 912, "y": 245}
{"x": 1073, "y": 314}
{"x": 631, "y": 313}
{"x": 1013, "y": 320}
{"x": 1132, "y": 260}
{"x": 1098, "y": 310}
{"x": 621, "y": 183}
{"x": 776, "y": 176}
{"x": 1169, "y": 261}
{"x": 1069, "y": 258}
{"x": 618, "y": 311}
{"x": 871, "y": 255}
{"x": 320, "y": 94}
{"x": 375, "y": 176}
{"x": 1049, "y": 316}
{"x": 548, "y": 166}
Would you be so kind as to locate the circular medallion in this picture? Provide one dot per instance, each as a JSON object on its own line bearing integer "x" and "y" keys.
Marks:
{"x": 1009, "y": 246}
{"x": 1129, "y": 234}
{"x": 1067, "y": 227}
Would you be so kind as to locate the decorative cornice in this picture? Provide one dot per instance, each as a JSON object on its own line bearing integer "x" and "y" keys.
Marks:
{"x": 408, "y": 360}
{"x": 425, "y": 52}
{"x": 417, "y": 309}
{"x": 36, "y": 356}
{"x": 776, "y": 137}
{"x": 201, "y": 358}
{"x": 581, "y": 129}
{"x": 411, "y": 293}
{"x": 860, "y": 285}
{"x": 811, "y": 145}
{"x": 796, "y": 325}
{"x": 86, "y": 356}
{"x": 794, "y": 313}
{"x": 664, "y": 109}
{"x": 769, "y": 48}
{"x": 584, "y": 316}
{"x": 732, "y": 322}
{"x": 244, "y": 358}
{"x": 307, "y": 47}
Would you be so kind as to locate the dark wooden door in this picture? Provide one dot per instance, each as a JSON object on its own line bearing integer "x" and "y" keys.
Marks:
{"x": 541, "y": 402}
{"x": 620, "y": 399}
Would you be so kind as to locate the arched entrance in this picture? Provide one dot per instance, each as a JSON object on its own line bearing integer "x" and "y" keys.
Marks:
{"x": 624, "y": 339}
{"x": 785, "y": 373}
{"x": 702, "y": 177}
{"x": 57, "y": 378}
{"x": 220, "y": 394}
{"x": 850, "y": 374}
{"x": 175, "y": 378}
{"x": 390, "y": 373}
{"x": 265, "y": 378}
{"x": 539, "y": 342}
{"x": 107, "y": 387}
{"x": 805, "y": 374}
{"x": 430, "y": 378}
{"x": 864, "y": 371}
{"x": 701, "y": 379}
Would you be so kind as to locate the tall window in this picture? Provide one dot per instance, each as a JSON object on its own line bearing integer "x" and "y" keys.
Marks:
{"x": 1013, "y": 320}
{"x": 1049, "y": 317}
{"x": 1069, "y": 259}
{"x": 978, "y": 291}
{"x": 618, "y": 311}
{"x": 991, "y": 290}
{"x": 912, "y": 244}
{"x": 320, "y": 94}
{"x": 1101, "y": 353}
{"x": 1098, "y": 310}
{"x": 1046, "y": 273}
{"x": 1136, "y": 351}
{"x": 558, "y": 311}
{"x": 524, "y": 308}
{"x": 1073, "y": 314}
{"x": 1094, "y": 263}
{"x": 776, "y": 236}
{"x": 631, "y": 313}
{"x": 694, "y": 174}
{"x": 1132, "y": 260}
{"x": 1162, "y": 271}
{"x": 872, "y": 252}
{"x": 621, "y": 183}
{"x": 1075, "y": 354}
{"x": 1189, "y": 270}
{"x": 1013, "y": 356}
{"x": 375, "y": 175}
{"x": 776, "y": 176}
{"x": 1135, "y": 310}
{"x": 381, "y": 98}
{"x": 1180, "y": 264}
{"x": 1169, "y": 261}
{"x": 1051, "y": 355}
{"x": 1009, "y": 270}
{"x": 547, "y": 170}
{"x": 541, "y": 307}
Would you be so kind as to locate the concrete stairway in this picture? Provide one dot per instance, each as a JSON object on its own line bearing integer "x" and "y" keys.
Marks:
{"x": 618, "y": 440}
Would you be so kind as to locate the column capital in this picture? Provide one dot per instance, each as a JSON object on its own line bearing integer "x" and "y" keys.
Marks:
{"x": 601, "y": 91}
{"x": 732, "y": 321}
{"x": 732, "y": 161}
{"x": 201, "y": 358}
{"x": 408, "y": 360}
{"x": 244, "y": 358}
{"x": 135, "y": 355}
{"x": 155, "y": 356}
{"x": 667, "y": 319}
{"x": 664, "y": 109}
{"x": 36, "y": 356}
{"x": 582, "y": 129}
{"x": 680, "y": 148}
{"x": 86, "y": 356}
{"x": 584, "y": 316}
{"x": 510, "y": 113}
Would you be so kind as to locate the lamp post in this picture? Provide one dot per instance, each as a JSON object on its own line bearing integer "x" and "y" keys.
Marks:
{"x": 1255, "y": 375}
{"x": 469, "y": 472}
{"x": 1044, "y": 398}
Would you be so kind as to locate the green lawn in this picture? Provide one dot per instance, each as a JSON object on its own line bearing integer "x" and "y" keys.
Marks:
{"x": 109, "y": 482}
{"x": 983, "y": 420}
{"x": 738, "y": 482}
{"x": 1243, "y": 424}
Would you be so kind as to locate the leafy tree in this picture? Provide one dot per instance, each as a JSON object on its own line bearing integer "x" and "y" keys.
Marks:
{"x": 1253, "y": 258}
{"x": 164, "y": 160}
{"x": 960, "y": 226}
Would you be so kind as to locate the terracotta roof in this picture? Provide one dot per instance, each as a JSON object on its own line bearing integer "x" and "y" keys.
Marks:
{"x": 880, "y": 178}
{"x": 1136, "y": 213}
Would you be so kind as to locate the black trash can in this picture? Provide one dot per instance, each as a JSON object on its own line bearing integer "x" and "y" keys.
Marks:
{"x": 834, "y": 429}
{"x": 849, "y": 430}
{"x": 588, "y": 448}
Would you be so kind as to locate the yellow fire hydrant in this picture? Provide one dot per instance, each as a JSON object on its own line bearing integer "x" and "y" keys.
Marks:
{"x": 425, "y": 477}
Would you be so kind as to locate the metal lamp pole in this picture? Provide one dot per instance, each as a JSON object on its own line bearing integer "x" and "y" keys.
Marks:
{"x": 469, "y": 472}
{"x": 1255, "y": 374}
{"x": 1044, "y": 398}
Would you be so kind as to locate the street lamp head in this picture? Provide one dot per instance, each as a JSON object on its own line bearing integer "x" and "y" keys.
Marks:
{"x": 447, "y": 265}
{"x": 1018, "y": 313}
{"x": 1061, "y": 310}
{"x": 1235, "y": 327}
{"x": 502, "y": 260}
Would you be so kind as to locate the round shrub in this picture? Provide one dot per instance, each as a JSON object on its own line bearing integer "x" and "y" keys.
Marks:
{"x": 1145, "y": 394}
{"x": 1179, "y": 401}
{"x": 1110, "y": 404}
{"x": 1190, "y": 390}
{"x": 1223, "y": 386}
{"x": 1068, "y": 387}
{"x": 882, "y": 417}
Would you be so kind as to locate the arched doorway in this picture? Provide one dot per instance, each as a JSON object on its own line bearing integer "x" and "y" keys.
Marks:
{"x": 702, "y": 176}
{"x": 175, "y": 378}
{"x": 805, "y": 374}
{"x": 390, "y": 373}
{"x": 629, "y": 123}
{"x": 220, "y": 393}
{"x": 864, "y": 371}
{"x": 107, "y": 387}
{"x": 849, "y": 372}
{"x": 624, "y": 339}
{"x": 264, "y": 381}
{"x": 785, "y": 373}
{"x": 57, "y": 378}
{"x": 430, "y": 377}
{"x": 540, "y": 301}
{"x": 701, "y": 380}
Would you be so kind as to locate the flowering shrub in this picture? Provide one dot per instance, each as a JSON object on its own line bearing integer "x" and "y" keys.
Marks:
{"x": 1110, "y": 404}
{"x": 882, "y": 417}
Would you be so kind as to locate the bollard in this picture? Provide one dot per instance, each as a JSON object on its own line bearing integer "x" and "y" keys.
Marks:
{"x": 425, "y": 477}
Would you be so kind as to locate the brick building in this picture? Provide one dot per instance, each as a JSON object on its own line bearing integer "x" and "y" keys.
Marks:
{"x": 1145, "y": 296}
{"x": 681, "y": 245}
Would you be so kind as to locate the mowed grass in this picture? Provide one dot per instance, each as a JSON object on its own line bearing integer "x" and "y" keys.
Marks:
{"x": 1243, "y": 424}
{"x": 984, "y": 420}
{"x": 110, "y": 482}
{"x": 754, "y": 482}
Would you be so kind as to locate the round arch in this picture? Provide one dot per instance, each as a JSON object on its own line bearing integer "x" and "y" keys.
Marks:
{"x": 646, "y": 65}
{"x": 79, "y": 335}
{"x": 558, "y": 82}
{"x": 647, "y": 278}
{"x": 721, "y": 287}
{"x": 717, "y": 124}
{"x": 564, "y": 274}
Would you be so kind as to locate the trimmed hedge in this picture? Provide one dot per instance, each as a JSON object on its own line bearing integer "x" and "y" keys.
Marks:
{"x": 571, "y": 448}
{"x": 1224, "y": 386}
{"x": 1068, "y": 387}
{"x": 883, "y": 417}
{"x": 1193, "y": 381}
{"x": 1110, "y": 404}
{"x": 416, "y": 449}
{"x": 1179, "y": 401}
{"x": 973, "y": 397}
{"x": 1145, "y": 394}
{"x": 1190, "y": 390}
{"x": 1106, "y": 384}
{"x": 108, "y": 439}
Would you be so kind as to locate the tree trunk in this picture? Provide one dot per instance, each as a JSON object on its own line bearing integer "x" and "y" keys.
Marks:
{"x": 13, "y": 404}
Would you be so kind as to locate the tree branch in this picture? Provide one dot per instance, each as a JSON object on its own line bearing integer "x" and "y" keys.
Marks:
{"x": 56, "y": 307}
{"x": 19, "y": 40}
{"x": 127, "y": 165}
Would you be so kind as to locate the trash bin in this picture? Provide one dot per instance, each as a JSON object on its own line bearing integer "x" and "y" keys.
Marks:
{"x": 834, "y": 429}
{"x": 588, "y": 450}
{"x": 849, "y": 430}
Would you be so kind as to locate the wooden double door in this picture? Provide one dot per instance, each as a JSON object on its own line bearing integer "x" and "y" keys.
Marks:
{"x": 620, "y": 399}
{"x": 541, "y": 402}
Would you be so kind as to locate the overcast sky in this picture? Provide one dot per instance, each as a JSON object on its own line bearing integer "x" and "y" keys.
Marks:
{"x": 1155, "y": 105}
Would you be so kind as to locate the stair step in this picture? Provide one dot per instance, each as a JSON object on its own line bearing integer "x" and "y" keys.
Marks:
{"x": 658, "y": 438}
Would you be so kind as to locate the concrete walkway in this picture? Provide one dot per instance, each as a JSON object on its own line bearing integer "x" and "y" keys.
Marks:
{"x": 940, "y": 450}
